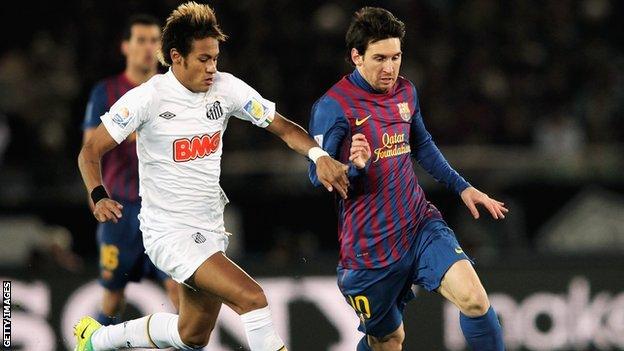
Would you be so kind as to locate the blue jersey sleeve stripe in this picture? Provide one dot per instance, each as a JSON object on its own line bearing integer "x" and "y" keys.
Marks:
{"x": 96, "y": 106}
{"x": 329, "y": 126}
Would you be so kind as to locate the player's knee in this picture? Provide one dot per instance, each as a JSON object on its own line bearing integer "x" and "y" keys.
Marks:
{"x": 114, "y": 295}
{"x": 390, "y": 342}
{"x": 474, "y": 303}
{"x": 252, "y": 299}
{"x": 195, "y": 338}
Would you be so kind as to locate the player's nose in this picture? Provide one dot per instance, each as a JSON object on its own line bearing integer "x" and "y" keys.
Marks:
{"x": 211, "y": 66}
{"x": 387, "y": 68}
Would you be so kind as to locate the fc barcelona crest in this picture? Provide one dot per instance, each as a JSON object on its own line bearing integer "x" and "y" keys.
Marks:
{"x": 404, "y": 111}
{"x": 214, "y": 111}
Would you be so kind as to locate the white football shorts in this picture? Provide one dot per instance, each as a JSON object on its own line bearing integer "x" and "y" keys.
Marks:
{"x": 180, "y": 252}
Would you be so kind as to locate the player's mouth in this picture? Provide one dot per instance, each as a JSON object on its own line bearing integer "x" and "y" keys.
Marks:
{"x": 387, "y": 80}
{"x": 208, "y": 81}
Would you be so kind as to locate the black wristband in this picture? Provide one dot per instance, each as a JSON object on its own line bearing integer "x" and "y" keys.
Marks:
{"x": 98, "y": 193}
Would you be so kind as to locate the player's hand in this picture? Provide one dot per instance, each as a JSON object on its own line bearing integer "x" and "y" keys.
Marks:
{"x": 333, "y": 175}
{"x": 107, "y": 210}
{"x": 360, "y": 151}
{"x": 472, "y": 197}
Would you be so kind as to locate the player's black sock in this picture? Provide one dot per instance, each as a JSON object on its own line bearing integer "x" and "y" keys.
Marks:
{"x": 483, "y": 333}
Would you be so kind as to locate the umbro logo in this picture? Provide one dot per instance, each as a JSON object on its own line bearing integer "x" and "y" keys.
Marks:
{"x": 167, "y": 115}
{"x": 199, "y": 238}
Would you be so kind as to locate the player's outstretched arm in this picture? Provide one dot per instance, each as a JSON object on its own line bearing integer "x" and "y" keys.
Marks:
{"x": 89, "y": 161}
{"x": 331, "y": 173}
{"x": 472, "y": 197}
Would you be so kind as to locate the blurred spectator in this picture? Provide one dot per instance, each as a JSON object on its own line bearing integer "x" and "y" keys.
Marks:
{"x": 5, "y": 136}
{"x": 27, "y": 241}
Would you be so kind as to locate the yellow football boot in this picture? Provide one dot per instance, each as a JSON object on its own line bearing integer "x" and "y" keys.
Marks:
{"x": 83, "y": 331}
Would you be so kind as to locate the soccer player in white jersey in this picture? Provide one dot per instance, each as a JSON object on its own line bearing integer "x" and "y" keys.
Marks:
{"x": 179, "y": 118}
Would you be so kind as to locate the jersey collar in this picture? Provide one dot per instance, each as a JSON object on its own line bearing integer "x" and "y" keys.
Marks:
{"x": 356, "y": 78}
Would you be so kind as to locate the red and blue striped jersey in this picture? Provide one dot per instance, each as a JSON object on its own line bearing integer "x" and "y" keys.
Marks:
{"x": 120, "y": 167}
{"x": 386, "y": 206}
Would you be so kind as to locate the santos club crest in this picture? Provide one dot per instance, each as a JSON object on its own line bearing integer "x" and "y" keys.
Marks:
{"x": 214, "y": 111}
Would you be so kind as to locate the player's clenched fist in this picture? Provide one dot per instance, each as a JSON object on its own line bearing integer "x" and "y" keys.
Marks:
{"x": 360, "y": 151}
{"x": 107, "y": 210}
{"x": 333, "y": 175}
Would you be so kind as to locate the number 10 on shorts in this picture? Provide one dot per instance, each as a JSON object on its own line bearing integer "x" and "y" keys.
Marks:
{"x": 361, "y": 305}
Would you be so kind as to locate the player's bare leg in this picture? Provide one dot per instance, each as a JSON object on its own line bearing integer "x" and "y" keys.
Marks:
{"x": 478, "y": 321}
{"x": 390, "y": 342}
{"x": 173, "y": 293}
{"x": 113, "y": 305}
{"x": 198, "y": 315}
{"x": 221, "y": 277}
{"x": 462, "y": 287}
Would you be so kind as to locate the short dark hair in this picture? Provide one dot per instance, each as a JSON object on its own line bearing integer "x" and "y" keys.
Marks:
{"x": 371, "y": 24}
{"x": 186, "y": 23}
{"x": 141, "y": 19}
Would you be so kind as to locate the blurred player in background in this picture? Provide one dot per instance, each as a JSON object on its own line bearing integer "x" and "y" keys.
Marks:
{"x": 180, "y": 118}
{"x": 120, "y": 243}
{"x": 390, "y": 236}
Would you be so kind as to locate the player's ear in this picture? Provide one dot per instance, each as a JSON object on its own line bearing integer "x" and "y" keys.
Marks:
{"x": 124, "y": 47}
{"x": 356, "y": 57}
{"x": 175, "y": 56}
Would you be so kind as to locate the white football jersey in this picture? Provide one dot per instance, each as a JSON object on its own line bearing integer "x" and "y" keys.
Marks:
{"x": 179, "y": 146}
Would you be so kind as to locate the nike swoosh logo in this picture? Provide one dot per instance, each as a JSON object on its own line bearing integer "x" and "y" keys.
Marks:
{"x": 458, "y": 250}
{"x": 359, "y": 122}
{"x": 83, "y": 331}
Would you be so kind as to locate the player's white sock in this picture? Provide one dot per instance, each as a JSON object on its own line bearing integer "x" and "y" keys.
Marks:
{"x": 158, "y": 330}
{"x": 260, "y": 332}
{"x": 132, "y": 333}
{"x": 163, "y": 329}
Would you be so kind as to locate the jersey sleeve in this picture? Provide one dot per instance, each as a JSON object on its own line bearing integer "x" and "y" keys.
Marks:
{"x": 96, "y": 106}
{"x": 329, "y": 127}
{"x": 429, "y": 157}
{"x": 249, "y": 105}
{"x": 128, "y": 113}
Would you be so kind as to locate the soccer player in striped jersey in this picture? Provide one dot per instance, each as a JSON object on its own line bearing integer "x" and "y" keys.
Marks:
{"x": 390, "y": 236}
{"x": 120, "y": 244}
